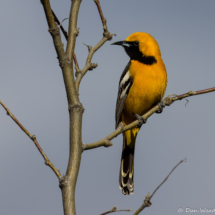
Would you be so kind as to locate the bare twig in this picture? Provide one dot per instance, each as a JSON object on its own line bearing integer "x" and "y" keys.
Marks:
{"x": 147, "y": 200}
{"x": 167, "y": 177}
{"x": 66, "y": 36}
{"x": 88, "y": 46}
{"x": 92, "y": 145}
{"x": 167, "y": 101}
{"x": 61, "y": 27}
{"x": 170, "y": 99}
{"x": 114, "y": 209}
{"x": 88, "y": 64}
{"x": 106, "y": 36}
{"x": 104, "y": 21}
{"x": 33, "y": 138}
{"x": 72, "y": 28}
{"x": 76, "y": 62}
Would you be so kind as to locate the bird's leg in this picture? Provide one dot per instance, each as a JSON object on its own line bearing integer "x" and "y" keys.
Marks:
{"x": 161, "y": 106}
{"x": 140, "y": 119}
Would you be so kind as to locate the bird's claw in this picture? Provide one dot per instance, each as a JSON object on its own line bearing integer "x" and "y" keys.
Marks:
{"x": 161, "y": 107}
{"x": 140, "y": 119}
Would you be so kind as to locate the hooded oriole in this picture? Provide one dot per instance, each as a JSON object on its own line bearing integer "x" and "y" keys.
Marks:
{"x": 142, "y": 85}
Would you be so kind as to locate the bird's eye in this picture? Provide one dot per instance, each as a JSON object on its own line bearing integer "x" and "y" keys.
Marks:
{"x": 136, "y": 43}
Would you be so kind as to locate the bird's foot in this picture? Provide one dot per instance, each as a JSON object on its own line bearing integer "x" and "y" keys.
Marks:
{"x": 140, "y": 119}
{"x": 161, "y": 107}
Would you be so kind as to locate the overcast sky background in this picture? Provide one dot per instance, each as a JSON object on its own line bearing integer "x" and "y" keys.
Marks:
{"x": 32, "y": 87}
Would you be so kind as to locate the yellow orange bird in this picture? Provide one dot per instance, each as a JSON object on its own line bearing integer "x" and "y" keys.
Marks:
{"x": 142, "y": 86}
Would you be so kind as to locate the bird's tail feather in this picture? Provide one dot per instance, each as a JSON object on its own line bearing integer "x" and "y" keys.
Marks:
{"x": 126, "y": 173}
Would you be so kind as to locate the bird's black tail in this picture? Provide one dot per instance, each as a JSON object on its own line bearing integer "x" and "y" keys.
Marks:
{"x": 126, "y": 173}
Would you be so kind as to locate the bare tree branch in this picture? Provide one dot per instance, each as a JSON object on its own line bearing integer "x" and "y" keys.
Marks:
{"x": 167, "y": 101}
{"x": 64, "y": 61}
{"x": 66, "y": 36}
{"x": 106, "y": 36}
{"x": 114, "y": 209}
{"x": 147, "y": 200}
{"x": 48, "y": 13}
{"x": 33, "y": 138}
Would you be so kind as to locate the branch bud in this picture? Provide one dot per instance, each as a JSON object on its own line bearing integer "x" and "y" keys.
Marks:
{"x": 33, "y": 137}
{"x": 77, "y": 32}
{"x": 108, "y": 143}
{"x": 108, "y": 35}
{"x": 93, "y": 66}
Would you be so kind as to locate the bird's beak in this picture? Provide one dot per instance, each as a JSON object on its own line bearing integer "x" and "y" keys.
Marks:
{"x": 122, "y": 43}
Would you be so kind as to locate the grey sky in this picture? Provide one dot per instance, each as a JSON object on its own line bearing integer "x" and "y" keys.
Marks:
{"x": 31, "y": 85}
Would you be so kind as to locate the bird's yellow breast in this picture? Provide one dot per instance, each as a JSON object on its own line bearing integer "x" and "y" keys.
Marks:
{"x": 148, "y": 88}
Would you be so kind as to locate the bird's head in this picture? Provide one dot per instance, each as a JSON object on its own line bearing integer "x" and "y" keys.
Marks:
{"x": 140, "y": 46}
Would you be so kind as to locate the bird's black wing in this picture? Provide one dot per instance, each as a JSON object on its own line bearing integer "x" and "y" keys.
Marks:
{"x": 124, "y": 87}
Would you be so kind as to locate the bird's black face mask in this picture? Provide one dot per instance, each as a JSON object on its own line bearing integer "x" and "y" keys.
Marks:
{"x": 132, "y": 50}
